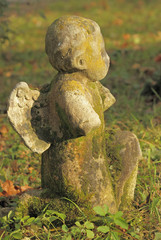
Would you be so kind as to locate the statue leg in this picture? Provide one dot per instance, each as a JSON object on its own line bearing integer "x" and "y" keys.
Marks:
{"x": 130, "y": 154}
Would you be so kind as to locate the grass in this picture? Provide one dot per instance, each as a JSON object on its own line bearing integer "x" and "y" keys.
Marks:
{"x": 131, "y": 30}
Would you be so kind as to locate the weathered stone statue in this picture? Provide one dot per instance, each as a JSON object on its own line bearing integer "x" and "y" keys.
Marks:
{"x": 64, "y": 121}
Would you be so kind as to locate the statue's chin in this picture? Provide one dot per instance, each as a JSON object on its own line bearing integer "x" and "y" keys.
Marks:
{"x": 97, "y": 76}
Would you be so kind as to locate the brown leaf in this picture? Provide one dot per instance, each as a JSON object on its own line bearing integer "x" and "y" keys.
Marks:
{"x": 118, "y": 22}
{"x": 126, "y": 36}
{"x": 30, "y": 169}
{"x": 8, "y": 74}
{"x": 124, "y": 45}
{"x": 24, "y": 188}
{"x": 23, "y": 154}
{"x": 8, "y": 188}
{"x": 136, "y": 66}
{"x": 158, "y": 58}
{"x": 32, "y": 179}
{"x": 1, "y": 148}
{"x": 3, "y": 130}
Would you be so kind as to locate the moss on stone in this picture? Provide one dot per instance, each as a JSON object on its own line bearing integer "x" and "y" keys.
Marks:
{"x": 128, "y": 194}
{"x": 95, "y": 146}
{"x": 34, "y": 206}
{"x": 113, "y": 156}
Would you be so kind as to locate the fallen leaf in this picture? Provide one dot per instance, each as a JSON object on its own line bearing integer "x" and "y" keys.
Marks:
{"x": 124, "y": 45}
{"x": 3, "y": 130}
{"x": 23, "y": 154}
{"x": 136, "y": 66}
{"x": 8, "y": 188}
{"x": 24, "y": 188}
{"x": 158, "y": 58}
{"x": 30, "y": 169}
{"x": 32, "y": 179}
{"x": 126, "y": 36}
{"x": 1, "y": 148}
{"x": 8, "y": 74}
{"x": 118, "y": 22}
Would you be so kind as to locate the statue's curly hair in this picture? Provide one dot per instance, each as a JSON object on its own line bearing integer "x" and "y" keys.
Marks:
{"x": 65, "y": 38}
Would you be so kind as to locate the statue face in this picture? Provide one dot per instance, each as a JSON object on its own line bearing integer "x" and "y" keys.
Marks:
{"x": 96, "y": 58}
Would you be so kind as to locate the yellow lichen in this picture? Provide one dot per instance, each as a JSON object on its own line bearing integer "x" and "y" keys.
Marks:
{"x": 71, "y": 86}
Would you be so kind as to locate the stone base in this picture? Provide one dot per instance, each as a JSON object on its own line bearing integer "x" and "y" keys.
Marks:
{"x": 33, "y": 203}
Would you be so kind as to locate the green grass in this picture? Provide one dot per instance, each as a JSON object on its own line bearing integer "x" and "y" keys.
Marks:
{"x": 132, "y": 34}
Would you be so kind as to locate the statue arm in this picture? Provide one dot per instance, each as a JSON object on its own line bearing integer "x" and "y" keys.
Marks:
{"x": 79, "y": 112}
{"x": 107, "y": 98}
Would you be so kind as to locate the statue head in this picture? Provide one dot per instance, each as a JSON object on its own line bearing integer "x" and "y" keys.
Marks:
{"x": 76, "y": 44}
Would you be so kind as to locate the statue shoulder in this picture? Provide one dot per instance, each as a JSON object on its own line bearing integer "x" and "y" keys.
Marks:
{"x": 72, "y": 86}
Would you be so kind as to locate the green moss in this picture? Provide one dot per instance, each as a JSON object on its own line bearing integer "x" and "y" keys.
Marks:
{"x": 127, "y": 197}
{"x": 96, "y": 146}
{"x": 113, "y": 156}
{"x": 34, "y": 207}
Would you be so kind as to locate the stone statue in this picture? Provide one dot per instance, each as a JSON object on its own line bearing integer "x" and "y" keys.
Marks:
{"x": 64, "y": 121}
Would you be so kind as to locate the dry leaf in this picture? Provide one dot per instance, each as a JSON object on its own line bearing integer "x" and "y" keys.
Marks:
{"x": 126, "y": 36}
{"x": 1, "y": 148}
{"x": 158, "y": 58}
{"x": 32, "y": 179}
{"x": 3, "y": 130}
{"x": 8, "y": 188}
{"x": 124, "y": 45}
{"x": 30, "y": 169}
{"x": 8, "y": 74}
{"x": 118, "y": 22}
{"x": 24, "y": 188}
{"x": 136, "y": 66}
